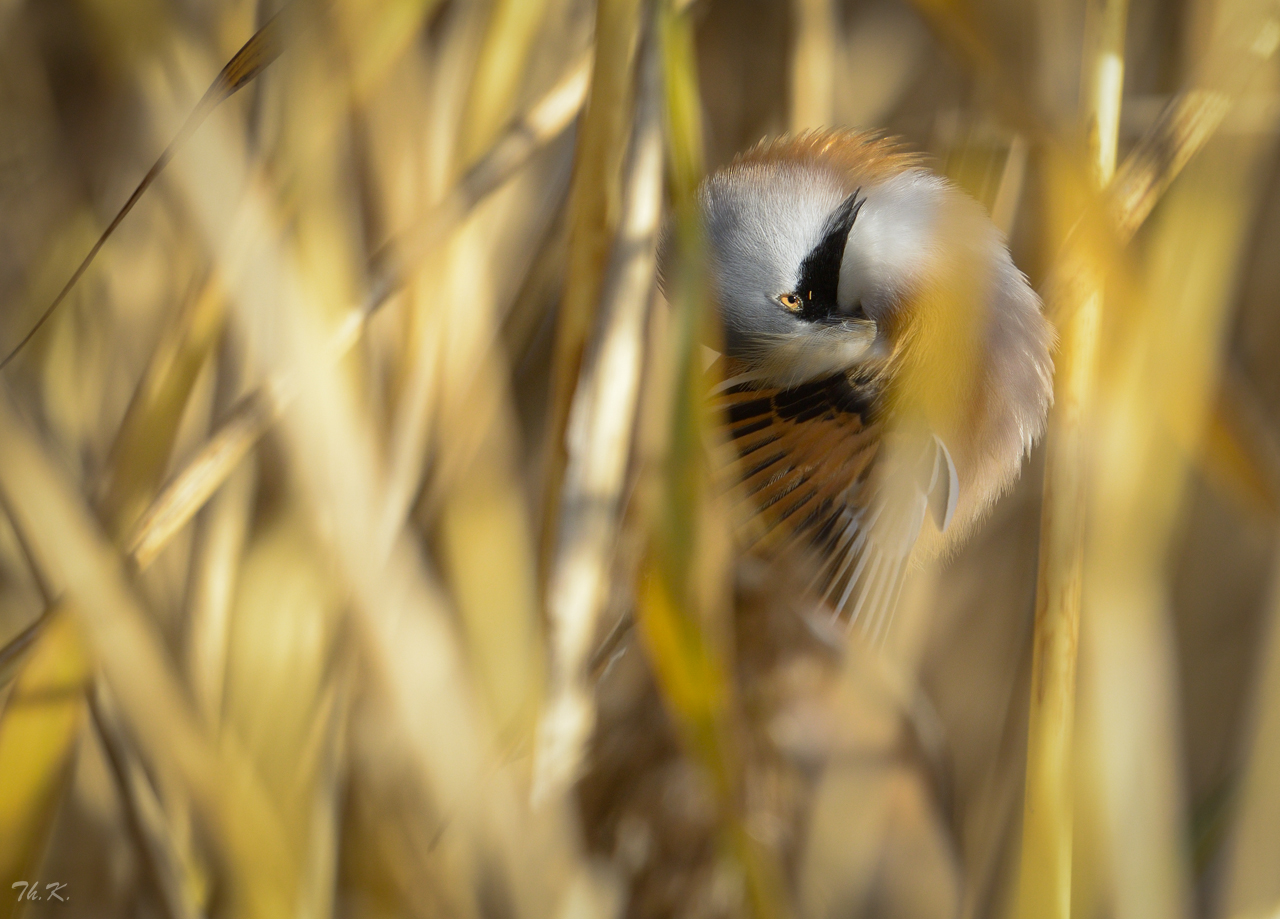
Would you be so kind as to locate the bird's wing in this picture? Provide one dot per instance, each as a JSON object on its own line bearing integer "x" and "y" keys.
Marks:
{"x": 817, "y": 473}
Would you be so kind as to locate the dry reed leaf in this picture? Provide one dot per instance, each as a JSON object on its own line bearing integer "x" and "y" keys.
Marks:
{"x": 446, "y": 423}
{"x": 1245, "y": 38}
{"x": 1251, "y": 888}
{"x": 175, "y": 505}
{"x": 255, "y": 56}
{"x": 814, "y": 64}
{"x": 499, "y": 73}
{"x": 182, "y": 886}
{"x": 134, "y": 663}
{"x": 682, "y": 604}
{"x": 191, "y": 487}
{"x": 137, "y": 462}
{"x": 14, "y": 653}
{"x": 989, "y": 840}
{"x": 594, "y": 201}
{"x": 217, "y": 554}
{"x": 409, "y": 648}
{"x": 462, "y": 416}
{"x": 1239, "y": 452}
{"x": 484, "y": 516}
{"x": 1004, "y": 207}
{"x": 482, "y": 510}
{"x": 1045, "y": 876}
{"x": 144, "y": 443}
{"x": 1245, "y": 42}
{"x": 603, "y": 413}
{"x": 378, "y": 35}
{"x": 286, "y": 696}
{"x": 38, "y": 727}
{"x": 1139, "y": 471}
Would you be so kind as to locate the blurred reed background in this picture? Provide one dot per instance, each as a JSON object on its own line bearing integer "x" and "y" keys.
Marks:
{"x": 357, "y": 551}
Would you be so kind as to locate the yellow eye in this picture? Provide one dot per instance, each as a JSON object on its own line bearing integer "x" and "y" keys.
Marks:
{"x": 791, "y": 302}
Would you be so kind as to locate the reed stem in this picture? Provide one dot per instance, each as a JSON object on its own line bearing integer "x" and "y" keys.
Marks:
{"x": 1045, "y": 878}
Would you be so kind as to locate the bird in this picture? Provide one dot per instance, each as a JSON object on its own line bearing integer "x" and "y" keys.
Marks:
{"x": 884, "y": 366}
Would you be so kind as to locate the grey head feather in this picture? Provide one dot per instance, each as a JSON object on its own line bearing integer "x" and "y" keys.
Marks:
{"x": 761, "y": 222}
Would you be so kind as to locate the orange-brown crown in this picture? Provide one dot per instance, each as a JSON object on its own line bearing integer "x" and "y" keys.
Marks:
{"x": 863, "y": 155}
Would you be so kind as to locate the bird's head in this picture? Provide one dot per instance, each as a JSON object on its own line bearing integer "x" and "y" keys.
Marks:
{"x": 816, "y": 248}
{"x": 839, "y": 251}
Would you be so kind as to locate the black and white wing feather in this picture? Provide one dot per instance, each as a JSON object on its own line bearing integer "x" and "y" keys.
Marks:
{"x": 820, "y": 473}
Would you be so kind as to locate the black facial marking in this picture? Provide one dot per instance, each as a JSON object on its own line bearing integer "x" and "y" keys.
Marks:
{"x": 820, "y": 270}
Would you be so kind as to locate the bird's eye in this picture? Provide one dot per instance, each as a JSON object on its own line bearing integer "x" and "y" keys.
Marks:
{"x": 791, "y": 302}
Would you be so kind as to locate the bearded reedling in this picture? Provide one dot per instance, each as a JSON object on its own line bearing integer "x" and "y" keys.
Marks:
{"x": 885, "y": 363}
